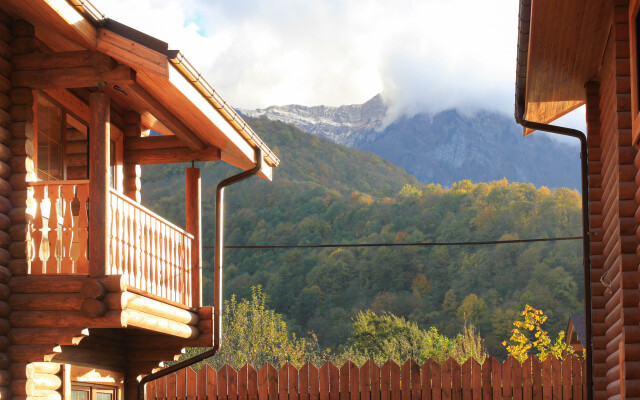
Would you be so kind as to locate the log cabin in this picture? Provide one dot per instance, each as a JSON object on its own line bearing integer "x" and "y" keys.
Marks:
{"x": 95, "y": 289}
{"x": 573, "y": 53}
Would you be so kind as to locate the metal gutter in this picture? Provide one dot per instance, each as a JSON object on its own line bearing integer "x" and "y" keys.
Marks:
{"x": 524, "y": 24}
{"x": 217, "y": 295}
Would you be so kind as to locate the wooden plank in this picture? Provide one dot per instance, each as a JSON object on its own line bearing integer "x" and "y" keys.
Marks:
{"x": 181, "y": 383}
{"x": 344, "y": 381}
{"x": 294, "y": 393}
{"x": 202, "y": 382}
{"x": 476, "y": 375}
{"x": 324, "y": 382}
{"x": 385, "y": 381}
{"x": 165, "y": 116}
{"x": 375, "y": 380}
{"x": 576, "y": 373}
{"x": 334, "y": 382}
{"x": 131, "y": 52}
{"x": 161, "y": 388}
{"x": 496, "y": 379}
{"x": 232, "y": 383}
{"x": 394, "y": 369}
{"x": 436, "y": 381}
{"x": 536, "y": 378}
{"x": 99, "y": 145}
{"x": 283, "y": 382}
{"x": 415, "y": 380}
{"x": 527, "y": 380}
{"x": 507, "y": 384}
{"x": 314, "y": 387}
{"x": 566, "y": 379}
{"x": 354, "y": 381}
{"x": 171, "y": 386}
{"x": 456, "y": 383}
{"x": 67, "y": 78}
{"x": 466, "y": 379}
{"x": 547, "y": 392}
{"x": 446, "y": 379}
{"x": 425, "y": 371}
{"x": 303, "y": 376}
{"x": 222, "y": 382}
{"x": 556, "y": 378}
{"x": 252, "y": 377}
{"x": 62, "y": 60}
{"x": 172, "y": 155}
{"x": 212, "y": 382}
{"x": 516, "y": 376}
{"x": 365, "y": 380}
{"x": 192, "y": 384}
{"x": 150, "y": 390}
{"x": 243, "y": 382}
{"x": 486, "y": 379}
{"x": 273, "y": 382}
{"x": 405, "y": 380}
{"x": 263, "y": 383}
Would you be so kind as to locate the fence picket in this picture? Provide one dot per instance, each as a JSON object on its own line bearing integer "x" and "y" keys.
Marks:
{"x": 550, "y": 380}
{"x": 415, "y": 380}
{"x": 446, "y": 379}
{"x": 263, "y": 383}
{"x": 405, "y": 383}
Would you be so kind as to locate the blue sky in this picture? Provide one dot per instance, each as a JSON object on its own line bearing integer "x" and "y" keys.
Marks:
{"x": 423, "y": 55}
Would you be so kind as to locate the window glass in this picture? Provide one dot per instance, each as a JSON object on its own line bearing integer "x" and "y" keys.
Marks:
{"x": 50, "y": 166}
{"x": 104, "y": 395}
{"x": 80, "y": 395}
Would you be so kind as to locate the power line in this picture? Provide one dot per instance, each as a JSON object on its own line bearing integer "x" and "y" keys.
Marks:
{"x": 423, "y": 244}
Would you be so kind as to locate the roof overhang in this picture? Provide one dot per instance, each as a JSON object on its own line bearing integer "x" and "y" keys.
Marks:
{"x": 560, "y": 49}
{"x": 166, "y": 82}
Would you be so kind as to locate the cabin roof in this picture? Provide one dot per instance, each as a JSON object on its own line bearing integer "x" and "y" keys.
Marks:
{"x": 560, "y": 48}
{"x": 171, "y": 96}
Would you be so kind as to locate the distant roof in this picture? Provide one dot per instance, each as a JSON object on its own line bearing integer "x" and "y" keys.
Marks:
{"x": 579, "y": 326}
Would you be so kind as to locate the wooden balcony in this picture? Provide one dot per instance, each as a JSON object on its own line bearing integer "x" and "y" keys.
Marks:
{"x": 154, "y": 256}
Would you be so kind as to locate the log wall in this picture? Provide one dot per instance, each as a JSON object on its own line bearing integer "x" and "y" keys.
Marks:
{"x": 613, "y": 205}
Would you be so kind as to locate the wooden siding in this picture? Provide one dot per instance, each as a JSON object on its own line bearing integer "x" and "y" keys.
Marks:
{"x": 533, "y": 380}
{"x": 613, "y": 191}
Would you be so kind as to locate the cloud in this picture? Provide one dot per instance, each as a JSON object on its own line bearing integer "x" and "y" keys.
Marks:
{"x": 424, "y": 55}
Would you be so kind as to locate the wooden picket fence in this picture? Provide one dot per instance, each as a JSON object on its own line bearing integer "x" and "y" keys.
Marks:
{"x": 533, "y": 380}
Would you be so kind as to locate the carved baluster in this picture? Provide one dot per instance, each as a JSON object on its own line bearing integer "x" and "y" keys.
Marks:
{"x": 67, "y": 229}
{"x": 155, "y": 256}
{"x": 144, "y": 240}
{"x": 188, "y": 270}
{"x": 52, "y": 262}
{"x": 113, "y": 241}
{"x": 36, "y": 231}
{"x": 82, "y": 264}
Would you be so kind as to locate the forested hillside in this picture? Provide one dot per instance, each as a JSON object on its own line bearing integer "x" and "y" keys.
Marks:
{"x": 326, "y": 193}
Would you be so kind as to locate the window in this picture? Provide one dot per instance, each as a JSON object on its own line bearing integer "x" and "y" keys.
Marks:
{"x": 93, "y": 392}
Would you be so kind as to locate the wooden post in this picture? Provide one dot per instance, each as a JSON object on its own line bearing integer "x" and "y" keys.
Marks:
{"x": 194, "y": 227}
{"x": 99, "y": 184}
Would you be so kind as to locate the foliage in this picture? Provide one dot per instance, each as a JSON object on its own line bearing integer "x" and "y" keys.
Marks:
{"x": 325, "y": 193}
{"x": 255, "y": 334}
{"x": 528, "y": 335}
{"x": 386, "y": 336}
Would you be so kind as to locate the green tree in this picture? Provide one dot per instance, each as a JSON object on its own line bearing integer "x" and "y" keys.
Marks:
{"x": 254, "y": 334}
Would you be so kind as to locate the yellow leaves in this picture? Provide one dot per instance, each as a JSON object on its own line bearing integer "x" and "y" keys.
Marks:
{"x": 532, "y": 324}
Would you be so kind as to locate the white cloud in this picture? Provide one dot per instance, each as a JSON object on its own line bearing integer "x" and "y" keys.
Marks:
{"x": 423, "y": 54}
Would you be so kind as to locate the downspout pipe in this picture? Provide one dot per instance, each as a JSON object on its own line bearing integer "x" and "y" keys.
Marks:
{"x": 217, "y": 292}
{"x": 586, "y": 240}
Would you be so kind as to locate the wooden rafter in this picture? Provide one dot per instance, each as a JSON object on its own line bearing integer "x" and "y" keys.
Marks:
{"x": 164, "y": 150}
{"x": 166, "y": 117}
{"x": 72, "y": 77}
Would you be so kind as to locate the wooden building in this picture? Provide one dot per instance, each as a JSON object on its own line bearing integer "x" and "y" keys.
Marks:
{"x": 585, "y": 52}
{"x": 95, "y": 289}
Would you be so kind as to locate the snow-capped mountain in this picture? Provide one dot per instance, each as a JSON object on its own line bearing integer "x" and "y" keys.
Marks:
{"x": 442, "y": 148}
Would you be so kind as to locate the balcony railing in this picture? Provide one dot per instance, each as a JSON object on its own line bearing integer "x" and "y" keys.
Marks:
{"x": 153, "y": 254}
